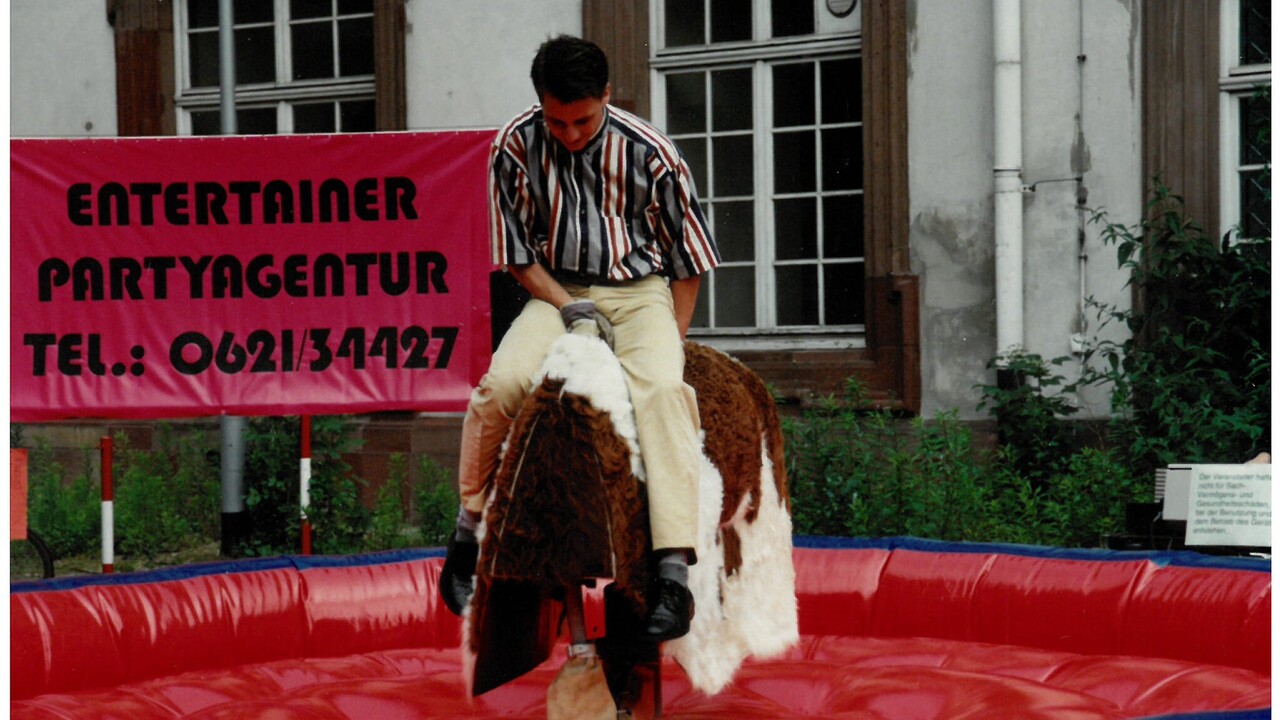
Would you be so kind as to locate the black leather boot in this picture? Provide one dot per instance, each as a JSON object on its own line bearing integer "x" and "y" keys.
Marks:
{"x": 670, "y": 611}
{"x": 456, "y": 577}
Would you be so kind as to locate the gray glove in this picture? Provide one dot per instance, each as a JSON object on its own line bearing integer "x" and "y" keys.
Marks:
{"x": 582, "y": 318}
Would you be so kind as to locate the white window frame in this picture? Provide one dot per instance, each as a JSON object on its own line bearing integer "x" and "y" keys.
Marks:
{"x": 281, "y": 94}
{"x": 1236, "y": 82}
{"x": 760, "y": 54}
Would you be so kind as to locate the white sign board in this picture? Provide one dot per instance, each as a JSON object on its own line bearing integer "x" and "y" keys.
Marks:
{"x": 1230, "y": 505}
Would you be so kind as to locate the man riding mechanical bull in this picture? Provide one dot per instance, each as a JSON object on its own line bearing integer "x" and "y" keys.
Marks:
{"x": 594, "y": 212}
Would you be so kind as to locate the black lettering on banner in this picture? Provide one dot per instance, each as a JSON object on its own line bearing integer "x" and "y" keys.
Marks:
{"x": 277, "y": 202}
{"x": 361, "y": 263}
{"x": 78, "y": 205}
{"x": 175, "y": 205}
{"x": 195, "y": 268}
{"x": 52, "y": 273}
{"x": 245, "y": 192}
{"x": 295, "y": 276}
{"x": 113, "y": 193}
{"x": 253, "y": 277}
{"x": 146, "y": 193}
{"x": 39, "y": 342}
{"x": 231, "y": 276}
{"x": 86, "y": 279}
{"x": 264, "y": 351}
{"x": 334, "y": 192}
{"x": 126, "y": 273}
{"x": 329, "y": 273}
{"x": 401, "y": 193}
{"x": 210, "y": 199}
{"x": 112, "y": 203}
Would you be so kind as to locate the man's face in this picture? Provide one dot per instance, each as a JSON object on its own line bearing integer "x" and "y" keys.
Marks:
{"x": 574, "y": 124}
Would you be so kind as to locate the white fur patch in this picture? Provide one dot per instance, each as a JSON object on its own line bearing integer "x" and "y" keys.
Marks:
{"x": 589, "y": 368}
{"x": 758, "y": 614}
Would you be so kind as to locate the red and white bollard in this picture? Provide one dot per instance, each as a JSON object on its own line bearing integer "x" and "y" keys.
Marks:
{"x": 107, "y": 449}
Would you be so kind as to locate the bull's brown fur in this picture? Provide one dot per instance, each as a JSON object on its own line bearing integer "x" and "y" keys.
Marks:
{"x": 736, "y": 411}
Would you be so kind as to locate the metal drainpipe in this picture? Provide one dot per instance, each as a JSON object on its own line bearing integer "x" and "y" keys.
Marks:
{"x": 234, "y": 518}
{"x": 1007, "y": 16}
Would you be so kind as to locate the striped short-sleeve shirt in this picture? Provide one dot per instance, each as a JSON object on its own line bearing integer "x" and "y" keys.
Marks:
{"x": 621, "y": 208}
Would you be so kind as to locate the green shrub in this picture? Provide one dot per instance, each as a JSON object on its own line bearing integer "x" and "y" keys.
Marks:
{"x": 867, "y": 473}
{"x": 1192, "y": 382}
{"x": 272, "y": 451}
{"x": 67, "y": 514}
{"x": 387, "y": 527}
{"x": 169, "y": 498}
{"x": 1029, "y": 419}
{"x": 436, "y": 502}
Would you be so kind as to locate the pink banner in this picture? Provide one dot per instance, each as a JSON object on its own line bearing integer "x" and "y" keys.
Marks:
{"x": 177, "y": 277}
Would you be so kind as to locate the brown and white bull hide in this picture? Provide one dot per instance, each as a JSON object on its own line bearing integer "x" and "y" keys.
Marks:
{"x": 568, "y": 503}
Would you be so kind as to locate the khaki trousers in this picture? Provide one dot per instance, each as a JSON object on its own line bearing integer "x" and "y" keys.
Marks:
{"x": 647, "y": 344}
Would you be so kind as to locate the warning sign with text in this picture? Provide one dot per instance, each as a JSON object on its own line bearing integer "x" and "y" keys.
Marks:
{"x": 1230, "y": 505}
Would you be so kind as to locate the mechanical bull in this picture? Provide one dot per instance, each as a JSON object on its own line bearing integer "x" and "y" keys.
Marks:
{"x": 568, "y": 505}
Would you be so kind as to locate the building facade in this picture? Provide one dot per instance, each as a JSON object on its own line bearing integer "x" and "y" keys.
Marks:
{"x": 848, "y": 151}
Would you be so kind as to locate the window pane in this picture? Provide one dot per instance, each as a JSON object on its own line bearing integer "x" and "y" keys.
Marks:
{"x": 299, "y": 9}
{"x": 256, "y": 121}
{"x": 842, "y": 292}
{"x": 792, "y": 95}
{"x": 352, "y": 7}
{"x": 730, "y": 20}
{"x": 355, "y": 46}
{"x": 732, "y": 159}
{"x": 685, "y": 23}
{"x": 358, "y": 116}
{"x": 733, "y": 224}
{"x": 842, "y": 226}
{"x": 255, "y": 55}
{"x": 735, "y": 289}
{"x": 253, "y": 11}
{"x": 202, "y": 13}
{"x": 793, "y": 162}
{"x": 206, "y": 122}
{"x": 1255, "y": 130}
{"x": 796, "y": 230}
{"x": 695, "y": 155}
{"x": 203, "y": 57}
{"x": 1255, "y": 32}
{"x": 792, "y": 17}
{"x": 687, "y": 103}
{"x": 314, "y": 118}
{"x": 731, "y": 99}
{"x": 797, "y": 294}
{"x": 841, "y": 91}
{"x": 1256, "y": 202}
{"x": 842, "y": 159}
{"x": 312, "y": 50}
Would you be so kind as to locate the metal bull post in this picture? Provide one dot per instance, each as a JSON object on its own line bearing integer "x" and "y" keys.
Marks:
{"x": 568, "y": 506}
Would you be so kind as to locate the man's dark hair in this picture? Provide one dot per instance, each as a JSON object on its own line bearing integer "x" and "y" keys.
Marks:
{"x": 570, "y": 69}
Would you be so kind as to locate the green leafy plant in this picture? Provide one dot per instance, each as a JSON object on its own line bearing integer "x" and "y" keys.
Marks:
{"x": 1192, "y": 381}
{"x": 272, "y": 500}
{"x": 387, "y": 527}
{"x": 865, "y": 472}
{"x": 1028, "y": 413}
{"x": 168, "y": 498}
{"x": 436, "y": 502}
{"x": 66, "y": 513}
